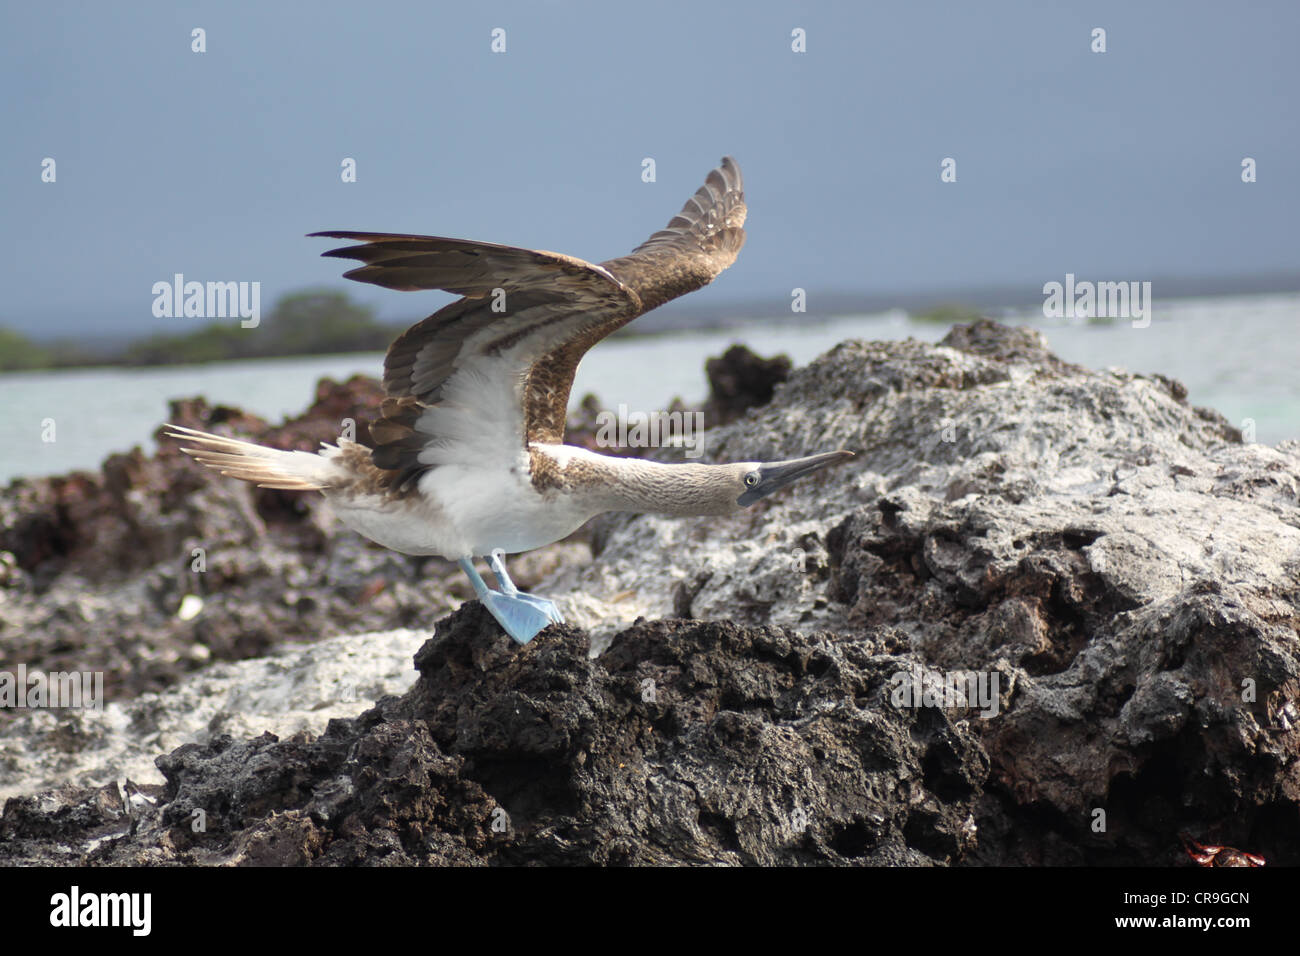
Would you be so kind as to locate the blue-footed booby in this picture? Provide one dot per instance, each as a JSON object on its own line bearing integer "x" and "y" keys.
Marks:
{"x": 469, "y": 457}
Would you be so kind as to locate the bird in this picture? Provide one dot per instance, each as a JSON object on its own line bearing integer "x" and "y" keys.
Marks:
{"x": 469, "y": 459}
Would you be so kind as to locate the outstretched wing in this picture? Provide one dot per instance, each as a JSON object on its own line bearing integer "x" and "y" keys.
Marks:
{"x": 493, "y": 370}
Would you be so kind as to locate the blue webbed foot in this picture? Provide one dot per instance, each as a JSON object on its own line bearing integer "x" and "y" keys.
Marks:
{"x": 542, "y": 604}
{"x": 497, "y": 562}
{"x": 522, "y": 619}
{"x": 521, "y": 615}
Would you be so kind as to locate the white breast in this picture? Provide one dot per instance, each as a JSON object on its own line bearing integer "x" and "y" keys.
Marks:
{"x": 477, "y": 495}
{"x": 499, "y": 509}
{"x": 463, "y": 511}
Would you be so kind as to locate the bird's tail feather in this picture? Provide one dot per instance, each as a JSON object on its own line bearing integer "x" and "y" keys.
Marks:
{"x": 266, "y": 467}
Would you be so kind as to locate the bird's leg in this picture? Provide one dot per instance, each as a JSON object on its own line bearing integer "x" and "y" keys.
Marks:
{"x": 471, "y": 572}
{"x": 521, "y": 619}
{"x": 497, "y": 562}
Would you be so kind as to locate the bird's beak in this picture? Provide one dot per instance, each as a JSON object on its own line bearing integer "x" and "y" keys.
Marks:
{"x": 777, "y": 474}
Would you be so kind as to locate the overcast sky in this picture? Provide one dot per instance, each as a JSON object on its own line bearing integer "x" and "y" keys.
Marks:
{"x": 1117, "y": 165}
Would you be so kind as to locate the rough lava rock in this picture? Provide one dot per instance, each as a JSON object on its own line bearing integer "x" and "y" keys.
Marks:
{"x": 1124, "y": 566}
{"x": 1127, "y": 565}
{"x": 690, "y": 742}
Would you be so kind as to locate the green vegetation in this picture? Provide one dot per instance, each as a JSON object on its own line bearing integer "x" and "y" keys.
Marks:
{"x": 312, "y": 322}
{"x": 17, "y": 352}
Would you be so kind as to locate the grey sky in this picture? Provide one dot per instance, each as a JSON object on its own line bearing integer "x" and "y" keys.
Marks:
{"x": 1122, "y": 165}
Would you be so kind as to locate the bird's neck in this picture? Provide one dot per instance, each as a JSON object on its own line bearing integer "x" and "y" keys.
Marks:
{"x": 605, "y": 483}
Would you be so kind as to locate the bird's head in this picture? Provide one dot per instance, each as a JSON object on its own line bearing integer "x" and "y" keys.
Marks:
{"x": 758, "y": 479}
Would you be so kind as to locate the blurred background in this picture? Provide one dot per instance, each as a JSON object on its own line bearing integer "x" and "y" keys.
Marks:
{"x": 531, "y": 124}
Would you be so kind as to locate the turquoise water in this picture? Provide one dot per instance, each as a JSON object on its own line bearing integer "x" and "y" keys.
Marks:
{"x": 1239, "y": 355}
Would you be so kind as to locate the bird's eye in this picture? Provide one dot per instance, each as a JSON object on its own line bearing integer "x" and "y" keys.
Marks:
{"x": 751, "y": 479}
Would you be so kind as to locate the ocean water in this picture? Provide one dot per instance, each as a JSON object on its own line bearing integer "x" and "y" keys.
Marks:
{"x": 1239, "y": 355}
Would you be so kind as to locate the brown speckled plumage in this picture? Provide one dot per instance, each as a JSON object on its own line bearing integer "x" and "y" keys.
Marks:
{"x": 367, "y": 478}
{"x": 548, "y": 477}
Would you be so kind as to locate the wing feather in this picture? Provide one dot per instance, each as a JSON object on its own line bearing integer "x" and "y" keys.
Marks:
{"x": 530, "y": 314}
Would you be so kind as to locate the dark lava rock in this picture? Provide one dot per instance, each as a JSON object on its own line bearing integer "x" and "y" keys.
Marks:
{"x": 691, "y": 742}
{"x": 1126, "y": 564}
{"x": 740, "y": 380}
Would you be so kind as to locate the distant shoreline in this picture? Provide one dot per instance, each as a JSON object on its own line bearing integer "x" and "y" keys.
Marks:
{"x": 360, "y": 332}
